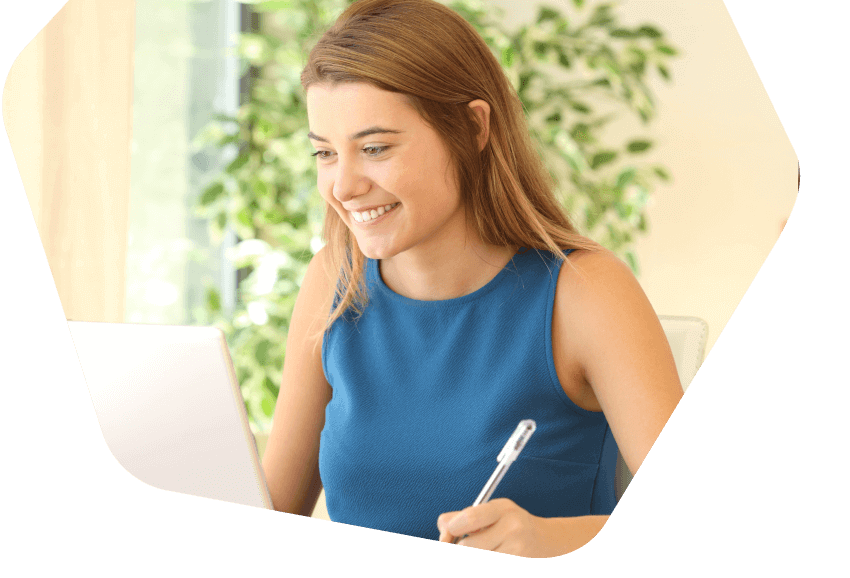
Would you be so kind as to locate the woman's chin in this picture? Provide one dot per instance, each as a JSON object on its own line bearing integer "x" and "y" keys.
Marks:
{"x": 376, "y": 251}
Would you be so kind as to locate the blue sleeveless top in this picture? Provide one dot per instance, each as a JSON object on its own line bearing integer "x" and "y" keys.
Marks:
{"x": 426, "y": 394}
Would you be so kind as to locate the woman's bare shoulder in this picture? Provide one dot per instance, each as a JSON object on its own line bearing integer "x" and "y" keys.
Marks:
{"x": 582, "y": 262}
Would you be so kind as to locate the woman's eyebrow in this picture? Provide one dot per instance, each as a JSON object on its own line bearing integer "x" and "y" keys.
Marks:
{"x": 359, "y": 135}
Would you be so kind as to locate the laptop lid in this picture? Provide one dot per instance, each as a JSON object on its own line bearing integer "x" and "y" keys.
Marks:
{"x": 170, "y": 408}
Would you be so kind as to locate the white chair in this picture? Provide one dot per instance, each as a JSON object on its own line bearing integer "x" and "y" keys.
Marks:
{"x": 687, "y": 337}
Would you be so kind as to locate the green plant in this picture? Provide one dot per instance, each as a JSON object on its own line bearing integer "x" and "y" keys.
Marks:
{"x": 573, "y": 75}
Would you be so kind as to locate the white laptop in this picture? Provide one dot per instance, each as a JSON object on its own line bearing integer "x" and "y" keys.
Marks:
{"x": 170, "y": 408}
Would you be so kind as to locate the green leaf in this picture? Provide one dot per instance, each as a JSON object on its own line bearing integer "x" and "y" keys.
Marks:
{"x": 666, "y": 49}
{"x": 581, "y": 133}
{"x": 648, "y": 31}
{"x": 546, "y": 14}
{"x": 602, "y": 158}
{"x": 631, "y": 259}
{"x": 274, "y": 216}
{"x": 662, "y": 173}
{"x": 220, "y": 222}
{"x": 211, "y": 194}
{"x": 225, "y": 118}
{"x": 540, "y": 49}
{"x": 601, "y": 16}
{"x": 239, "y": 162}
{"x": 622, "y": 33}
{"x": 267, "y": 405}
{"x": 228, "y": 139}
{"x": 270, "y": 386}
{"x": 245, "y": 217}
{"x": 562, "y": 27}
{"x": 625, "y": 211}
{"x": 508, "y": 56}
{"x": 662, "y": 70}
{"x": 639, "y": 146}
{"x": 625, "y": 178}
{"x": 262, "y": 352}
{"x": 213, "y": 300}
{"x": 580, "y": 107}
{"x": 525, "y": 80}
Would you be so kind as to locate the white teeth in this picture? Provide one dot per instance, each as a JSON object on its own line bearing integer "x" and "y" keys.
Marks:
{"x": 367, "y": 216}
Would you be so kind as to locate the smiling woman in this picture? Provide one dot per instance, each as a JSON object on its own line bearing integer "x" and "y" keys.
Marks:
{"x": 461, "y": 94}
{"x": 426, "y": 245}
{"x": 454, "y": 299}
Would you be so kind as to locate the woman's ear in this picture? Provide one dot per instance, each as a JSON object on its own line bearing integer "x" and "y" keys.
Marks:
{"x": 482, "y": 111}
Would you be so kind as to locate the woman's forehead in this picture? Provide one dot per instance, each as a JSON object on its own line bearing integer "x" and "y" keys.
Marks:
{"x": 354, "y": 93}
{"x": 356, "y": 103}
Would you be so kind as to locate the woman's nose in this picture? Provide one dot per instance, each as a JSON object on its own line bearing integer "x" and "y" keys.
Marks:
{"x": 349, "y": 181}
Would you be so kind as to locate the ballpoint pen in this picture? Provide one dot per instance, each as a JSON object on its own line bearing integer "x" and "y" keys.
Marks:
{"x": 505, "y": 458}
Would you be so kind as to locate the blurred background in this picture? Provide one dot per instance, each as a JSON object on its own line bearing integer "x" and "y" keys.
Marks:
{"x": 162, "y": 145}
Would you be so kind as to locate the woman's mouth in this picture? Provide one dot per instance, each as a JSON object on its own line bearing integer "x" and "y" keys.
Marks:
{"x": 369, "y": 218}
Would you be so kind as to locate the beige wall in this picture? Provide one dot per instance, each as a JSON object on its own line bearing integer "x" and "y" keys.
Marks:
{"x": 67, "y": 109}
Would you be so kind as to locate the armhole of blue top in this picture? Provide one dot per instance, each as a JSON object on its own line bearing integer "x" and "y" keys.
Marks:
{"x": 550, "y": 350}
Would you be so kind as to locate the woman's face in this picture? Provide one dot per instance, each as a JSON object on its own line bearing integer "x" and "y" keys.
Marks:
{"x": 374, "y": 151}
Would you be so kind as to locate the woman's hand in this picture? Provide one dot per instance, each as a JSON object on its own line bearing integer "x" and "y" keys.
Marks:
{"x": 502, "y": 526}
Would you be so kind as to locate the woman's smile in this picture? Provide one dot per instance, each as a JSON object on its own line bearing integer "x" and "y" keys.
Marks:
{"x": 371, "y": 218}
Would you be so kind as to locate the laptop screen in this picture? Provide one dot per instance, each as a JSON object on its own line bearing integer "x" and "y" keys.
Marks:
{"x": 170, "y": 408}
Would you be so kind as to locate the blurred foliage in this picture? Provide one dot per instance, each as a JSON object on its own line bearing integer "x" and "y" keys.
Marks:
{"x": 574, "y": 74}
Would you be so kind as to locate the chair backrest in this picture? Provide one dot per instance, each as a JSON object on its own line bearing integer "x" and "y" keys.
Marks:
{"x": 687, "y": 337}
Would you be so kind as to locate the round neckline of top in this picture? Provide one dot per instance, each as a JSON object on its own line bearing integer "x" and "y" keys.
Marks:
{"x": 510, "y": 266}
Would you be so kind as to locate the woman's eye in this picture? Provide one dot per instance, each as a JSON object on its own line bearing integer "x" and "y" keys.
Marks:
{"x": 372, "y": 151}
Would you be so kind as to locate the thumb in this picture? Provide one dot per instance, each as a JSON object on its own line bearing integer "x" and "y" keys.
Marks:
{"x": 444, "y": 519}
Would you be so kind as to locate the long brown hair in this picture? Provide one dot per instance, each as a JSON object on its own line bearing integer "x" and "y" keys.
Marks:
{"x": 430, "y": 54}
